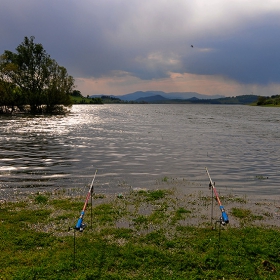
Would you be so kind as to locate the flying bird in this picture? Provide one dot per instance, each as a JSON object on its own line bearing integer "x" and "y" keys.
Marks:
{"x": 192, "y": 46}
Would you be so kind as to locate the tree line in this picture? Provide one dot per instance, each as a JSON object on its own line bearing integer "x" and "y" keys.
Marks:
{"x": 32, "y": 82}
{"x": 273, "y": 100}
{"x": 78, "y": 98}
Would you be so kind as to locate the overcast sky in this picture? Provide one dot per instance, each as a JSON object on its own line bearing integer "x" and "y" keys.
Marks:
{"x": 121, "y": 46}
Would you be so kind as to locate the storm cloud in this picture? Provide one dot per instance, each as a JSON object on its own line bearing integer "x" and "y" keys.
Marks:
{"x": 150, "y": 40}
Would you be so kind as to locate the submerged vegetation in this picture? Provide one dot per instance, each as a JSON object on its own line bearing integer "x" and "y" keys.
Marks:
{"x": 32, "y": 82}
{"x": 139, "y": 235}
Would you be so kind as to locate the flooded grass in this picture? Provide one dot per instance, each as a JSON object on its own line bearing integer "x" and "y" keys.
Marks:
{"x": 156, "y": 234}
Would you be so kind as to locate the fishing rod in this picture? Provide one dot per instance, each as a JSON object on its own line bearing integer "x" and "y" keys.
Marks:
{"x": 80, "y": 226}
{"x": 224, "y": 217}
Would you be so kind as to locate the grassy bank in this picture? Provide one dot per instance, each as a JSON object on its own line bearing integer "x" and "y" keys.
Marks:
{"x": 156, "y": 234}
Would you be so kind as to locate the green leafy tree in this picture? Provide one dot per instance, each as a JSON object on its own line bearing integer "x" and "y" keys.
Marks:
{"x": 76, "y": 93}
{"x": 10, "y": 96}
{"x": 59, "y": 87}
{"x": 261, "y": 100}
{"x": 40, "y": 82}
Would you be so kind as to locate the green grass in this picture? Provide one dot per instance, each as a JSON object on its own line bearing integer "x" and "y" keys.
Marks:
{"x": 155, "y": 195}
{"x": 41, "y": 199}
{"x": 245, "y": 214}
{"x": 144, "y": 235}
{"x": 85, "y": 100}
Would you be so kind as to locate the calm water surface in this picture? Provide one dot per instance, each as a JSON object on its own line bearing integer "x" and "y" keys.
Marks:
{"x": 138, "y": 145}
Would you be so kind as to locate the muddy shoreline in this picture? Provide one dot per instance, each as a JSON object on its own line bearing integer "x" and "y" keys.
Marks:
{"x": 261, "y": 212}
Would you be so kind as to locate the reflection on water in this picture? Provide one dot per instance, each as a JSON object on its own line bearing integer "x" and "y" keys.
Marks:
{"x": 139, "y": 144}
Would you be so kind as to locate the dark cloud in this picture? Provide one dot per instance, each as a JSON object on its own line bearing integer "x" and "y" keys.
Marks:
{"x": 148, "y": 39}
{"x": 249, "y": 56}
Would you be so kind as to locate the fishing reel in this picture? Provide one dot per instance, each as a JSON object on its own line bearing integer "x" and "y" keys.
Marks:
{"x": 221, "y": 221}
{"x": 82, "y": 227}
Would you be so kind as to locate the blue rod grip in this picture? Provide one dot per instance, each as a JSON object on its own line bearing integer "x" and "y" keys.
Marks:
{"x": 80, "y": 221}
{"x": 224, "y": 215}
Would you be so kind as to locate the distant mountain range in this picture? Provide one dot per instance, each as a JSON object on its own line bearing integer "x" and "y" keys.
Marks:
{"x": 160, "y": 97}
{"x": 144, "y": 96}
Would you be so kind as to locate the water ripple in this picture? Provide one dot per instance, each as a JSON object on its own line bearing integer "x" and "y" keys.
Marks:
{"x": 140, "y": 144}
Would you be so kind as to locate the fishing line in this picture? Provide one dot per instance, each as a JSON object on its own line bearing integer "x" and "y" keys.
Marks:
{"x": 224, "y": 217}
{"x": 80, "y": 225}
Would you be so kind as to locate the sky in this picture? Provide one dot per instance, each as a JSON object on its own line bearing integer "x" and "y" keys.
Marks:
{"x": 115, "y": 47}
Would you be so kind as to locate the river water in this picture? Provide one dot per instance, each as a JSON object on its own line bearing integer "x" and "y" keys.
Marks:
{"x": 142, "y": 146}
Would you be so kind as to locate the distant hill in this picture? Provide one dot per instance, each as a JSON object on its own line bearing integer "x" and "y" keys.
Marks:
{"x": 171, "y": 95}
{"x": 241, "y": 99}
{"x": 160, "y": 97}
{"x": 152, "y": 99}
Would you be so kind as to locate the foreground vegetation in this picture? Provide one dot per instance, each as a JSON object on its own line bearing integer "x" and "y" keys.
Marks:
{"x": 139, "y": 235}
